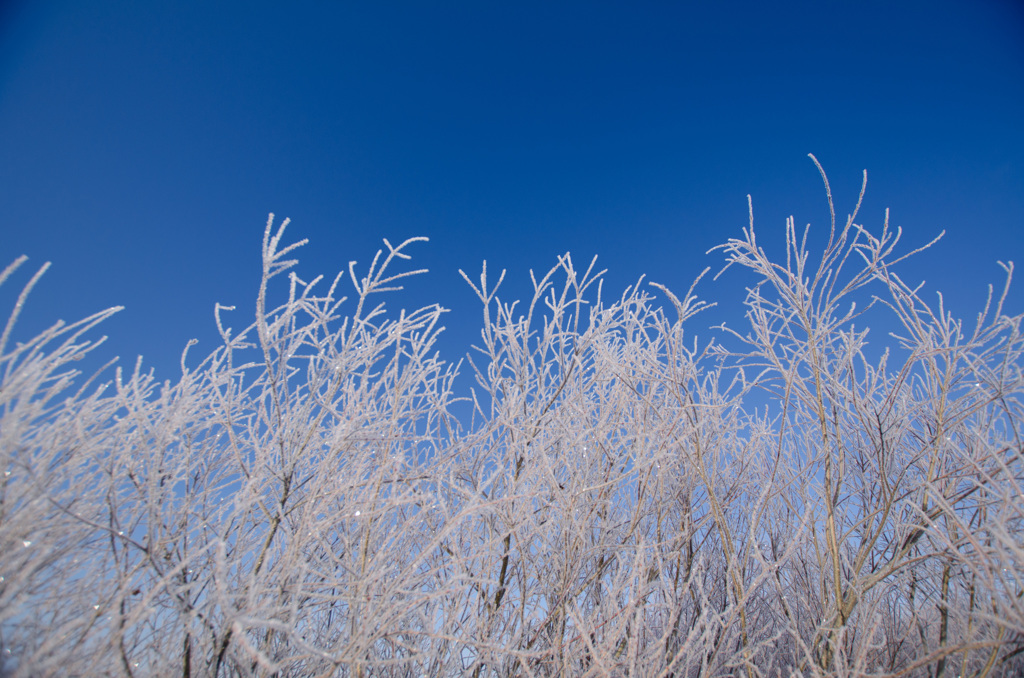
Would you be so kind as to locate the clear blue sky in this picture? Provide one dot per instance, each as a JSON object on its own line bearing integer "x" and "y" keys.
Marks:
{"x": 142, "y": 144}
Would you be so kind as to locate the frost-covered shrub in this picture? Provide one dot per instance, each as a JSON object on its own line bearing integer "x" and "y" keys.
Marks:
{"x": 302, "y": 502}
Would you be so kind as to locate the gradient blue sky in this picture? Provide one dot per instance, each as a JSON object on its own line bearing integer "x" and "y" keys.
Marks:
{"x": 142, "y": 144}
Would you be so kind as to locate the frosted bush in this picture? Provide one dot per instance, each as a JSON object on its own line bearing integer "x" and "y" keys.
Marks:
{"x": 303, "y": 502}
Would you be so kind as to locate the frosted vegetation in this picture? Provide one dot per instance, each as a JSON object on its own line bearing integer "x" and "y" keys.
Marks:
{"x": 303, "y": 501}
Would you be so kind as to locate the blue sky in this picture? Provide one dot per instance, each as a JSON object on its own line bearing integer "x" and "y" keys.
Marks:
{"x": 142, "y": 144}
